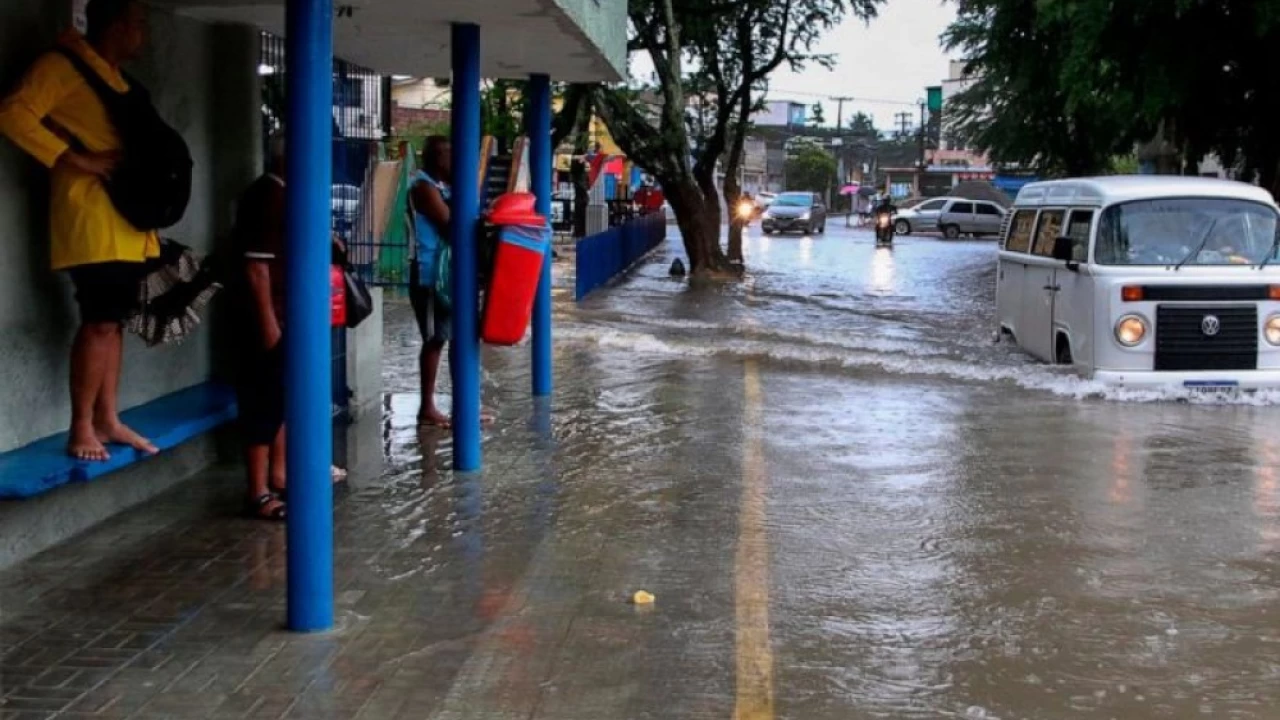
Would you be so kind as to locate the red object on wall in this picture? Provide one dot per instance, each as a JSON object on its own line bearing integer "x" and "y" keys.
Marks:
{"x": 337, "y": 297}
{"x": 523, "y": 241}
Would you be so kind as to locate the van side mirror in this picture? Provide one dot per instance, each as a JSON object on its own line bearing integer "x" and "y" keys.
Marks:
{"x": 1064, "y": 249}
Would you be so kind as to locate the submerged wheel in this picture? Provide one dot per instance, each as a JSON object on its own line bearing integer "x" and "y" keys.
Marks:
{"x": 902, "y": 227}
{"x": 1062, "y": 353}
{"x": 951, "y": 232}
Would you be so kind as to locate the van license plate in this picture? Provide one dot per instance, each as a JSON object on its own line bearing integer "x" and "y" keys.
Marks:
{"x": 1212, "y": 387}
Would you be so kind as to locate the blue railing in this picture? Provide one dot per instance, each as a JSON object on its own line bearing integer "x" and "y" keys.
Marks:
{"x": 606, "y": 255}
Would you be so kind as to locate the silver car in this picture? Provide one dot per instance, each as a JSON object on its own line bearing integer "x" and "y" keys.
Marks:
{"x": 928, "y": 217}
{"x": 971, "y": 217}
{"x": 922, "y": 217}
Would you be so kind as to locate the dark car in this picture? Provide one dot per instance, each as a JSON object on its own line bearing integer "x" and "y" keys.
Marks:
{"x": 801, "y": 212}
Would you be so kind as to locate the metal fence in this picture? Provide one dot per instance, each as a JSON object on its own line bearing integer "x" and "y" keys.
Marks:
{"x": 606, "y": 255}
{"x": 358, "y": 120}
{"x": 380, "y": 256}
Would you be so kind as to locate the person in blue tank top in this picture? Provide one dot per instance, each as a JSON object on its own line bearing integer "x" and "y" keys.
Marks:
{"x": 429, "y": 204}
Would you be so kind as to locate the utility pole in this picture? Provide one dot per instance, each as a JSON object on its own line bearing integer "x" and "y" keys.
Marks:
{"x": 840, "y": 101}
{"x": 922, "y": 163}
{"x": 903, "y": 121}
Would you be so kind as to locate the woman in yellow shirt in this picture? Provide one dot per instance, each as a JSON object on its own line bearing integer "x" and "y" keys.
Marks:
{"x": 52, "y": 109}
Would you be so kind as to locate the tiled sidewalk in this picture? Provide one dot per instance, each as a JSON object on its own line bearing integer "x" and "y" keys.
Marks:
{"x": 498, "y": 595}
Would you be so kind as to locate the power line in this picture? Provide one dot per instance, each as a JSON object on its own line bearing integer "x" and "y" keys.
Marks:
{"x": 856, "y": 98}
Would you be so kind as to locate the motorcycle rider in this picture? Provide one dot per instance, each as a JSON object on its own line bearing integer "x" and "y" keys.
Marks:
{"x": 884, "y": 208}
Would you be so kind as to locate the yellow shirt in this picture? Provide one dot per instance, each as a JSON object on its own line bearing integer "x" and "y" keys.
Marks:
{"x": 84, "y": 226}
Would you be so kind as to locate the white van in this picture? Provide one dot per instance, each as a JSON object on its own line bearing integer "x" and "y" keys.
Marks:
{"x": 1148, "y": 281}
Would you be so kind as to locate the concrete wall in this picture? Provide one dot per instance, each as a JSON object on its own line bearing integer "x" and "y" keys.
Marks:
{"x": 204, "y": 81}
{"x": 604, "y": 22}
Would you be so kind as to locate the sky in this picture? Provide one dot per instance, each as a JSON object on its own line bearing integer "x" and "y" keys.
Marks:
{"x": 885, "y": 65}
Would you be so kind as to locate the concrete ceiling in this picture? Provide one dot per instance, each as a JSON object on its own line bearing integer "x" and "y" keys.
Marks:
{"x": 411, "y": 37}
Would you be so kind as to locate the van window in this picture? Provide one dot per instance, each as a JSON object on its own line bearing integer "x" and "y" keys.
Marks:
{"x": 1020, "y": 231}
{"x": 1048, "y": 231}
{"x": 988, "y": 209}
{"x": 1078, "y": 226}
{"x": 962, "y": 208}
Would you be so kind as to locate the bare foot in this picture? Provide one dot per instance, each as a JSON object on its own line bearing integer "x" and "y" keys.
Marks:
{"x": 124, "y": 435}
{"x": 85, "y": 445}
{"x": 434, "y": 419}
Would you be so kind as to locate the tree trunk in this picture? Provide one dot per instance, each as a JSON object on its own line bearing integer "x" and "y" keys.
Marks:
{"x": 581, "y": 197}
{"x": 732, "y": 196}
{"x": 732, "y": 186}
{"x": 699, "y": 224}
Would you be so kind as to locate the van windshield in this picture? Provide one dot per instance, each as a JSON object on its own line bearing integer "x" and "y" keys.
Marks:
{"x": 1194, "y": 231}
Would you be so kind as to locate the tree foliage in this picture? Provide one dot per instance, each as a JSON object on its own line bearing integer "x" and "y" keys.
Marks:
{"x": 812, "y": 169}
{"x": 863, "y": 125}
{"x": 817, "y": 115}
{"x": 712, "y": 60}
{"x": 1066, "y": 86}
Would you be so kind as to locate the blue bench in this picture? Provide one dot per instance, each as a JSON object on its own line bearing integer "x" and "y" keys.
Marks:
{"x": 168, "y": 422}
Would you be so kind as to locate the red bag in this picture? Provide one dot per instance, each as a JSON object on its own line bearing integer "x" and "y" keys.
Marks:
{"x": 337, "y": 297}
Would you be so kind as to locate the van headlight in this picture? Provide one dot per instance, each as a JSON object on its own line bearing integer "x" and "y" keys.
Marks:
{"x": 1271, "y": 330}
{"x": 1131, "y": 330}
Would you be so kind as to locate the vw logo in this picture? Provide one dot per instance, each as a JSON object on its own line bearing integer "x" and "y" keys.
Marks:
{"x": 1210, "y": 325}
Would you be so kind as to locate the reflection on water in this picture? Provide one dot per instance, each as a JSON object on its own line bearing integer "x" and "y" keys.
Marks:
{"x": 882, "y": 278}
{"x": 805, "y": 253}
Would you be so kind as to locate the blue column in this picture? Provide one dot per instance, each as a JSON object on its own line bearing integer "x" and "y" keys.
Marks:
{"x": 540, "y": 150}
{"x": 308, "y": 401}
{"x": 464, "y": 215}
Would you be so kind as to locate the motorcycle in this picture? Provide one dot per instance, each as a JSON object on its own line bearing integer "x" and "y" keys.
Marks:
{"x": 884, "y": 228}
{"x": 748, "y": 211}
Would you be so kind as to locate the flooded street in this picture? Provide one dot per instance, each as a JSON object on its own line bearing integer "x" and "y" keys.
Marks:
{"x": 846, "y": 500}
{"x": 851, "y": 503}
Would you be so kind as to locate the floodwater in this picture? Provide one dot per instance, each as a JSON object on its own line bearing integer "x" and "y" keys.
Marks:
{"x": 850, "y": 502}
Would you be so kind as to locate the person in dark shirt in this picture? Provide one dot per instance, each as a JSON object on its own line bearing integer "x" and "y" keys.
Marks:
{"x": 260, "y": 238}
{"x": 260, "y": 295}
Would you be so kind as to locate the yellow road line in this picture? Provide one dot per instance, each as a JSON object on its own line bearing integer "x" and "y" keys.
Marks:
{"x": 751, "y": 572}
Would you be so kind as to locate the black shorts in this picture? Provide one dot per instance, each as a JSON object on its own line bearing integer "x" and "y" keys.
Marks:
{"x": 108, "y": 292}
{"x": 260, "y": 393}
{"x": 433, "y": 318}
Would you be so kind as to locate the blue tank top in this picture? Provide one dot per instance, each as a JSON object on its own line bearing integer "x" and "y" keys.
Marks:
{"x": 428, "y": 236}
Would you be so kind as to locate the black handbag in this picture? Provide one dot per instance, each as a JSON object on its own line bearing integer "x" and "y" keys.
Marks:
{"x": 359, "y": 301}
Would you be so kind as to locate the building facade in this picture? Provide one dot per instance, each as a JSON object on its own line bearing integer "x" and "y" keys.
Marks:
{"x": 781, "y": 113}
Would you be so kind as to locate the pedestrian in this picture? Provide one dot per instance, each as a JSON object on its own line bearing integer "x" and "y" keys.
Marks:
{"x": 260, "y": 298}
{"x": 55, "y": 116}
{"x": 429, "y": 197}
{"x": 429, "y": 200}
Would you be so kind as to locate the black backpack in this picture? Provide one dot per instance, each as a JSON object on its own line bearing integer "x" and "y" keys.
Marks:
{"x": 151, "y": 185}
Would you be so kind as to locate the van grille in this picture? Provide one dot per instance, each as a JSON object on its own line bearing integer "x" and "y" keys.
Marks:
{"x": 1182, "y": 344}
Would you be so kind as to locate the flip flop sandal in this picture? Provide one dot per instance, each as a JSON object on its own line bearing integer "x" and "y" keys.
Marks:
{"x": 256, "y": 508}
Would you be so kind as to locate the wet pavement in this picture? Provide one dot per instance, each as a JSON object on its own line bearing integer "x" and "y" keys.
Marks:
{"x": 846, "y": 499}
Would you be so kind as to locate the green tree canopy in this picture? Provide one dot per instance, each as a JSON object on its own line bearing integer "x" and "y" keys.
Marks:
{"x": 811, "y": 168}
{"x": 817, "y": 116}
{"x": 1067, "y": 85}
